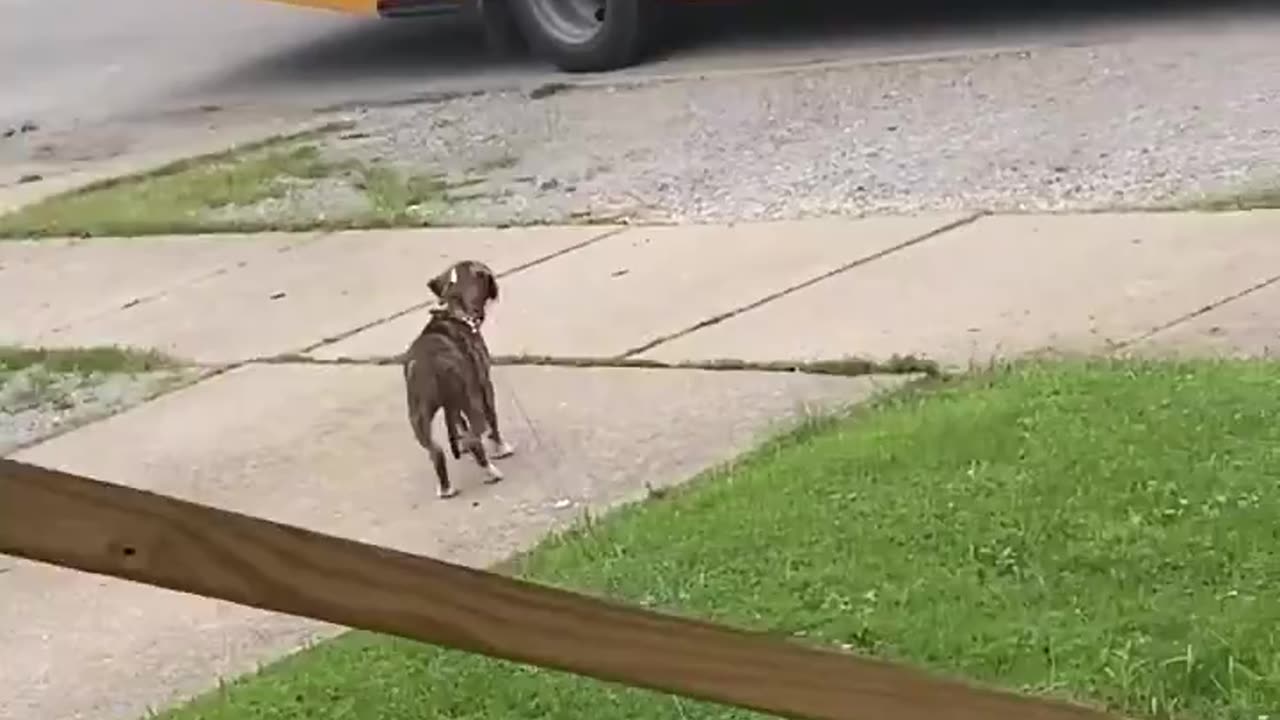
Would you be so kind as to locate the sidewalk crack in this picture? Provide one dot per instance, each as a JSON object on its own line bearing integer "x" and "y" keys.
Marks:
{"x": 1198, "y": 312}
{"x": 425, "y": 303}
{"x": 721, "y": 317}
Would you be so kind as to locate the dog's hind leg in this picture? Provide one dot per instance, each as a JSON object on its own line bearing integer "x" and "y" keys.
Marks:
{"x": 421, "y": 412}
{"x": 444, "y": 490}
{"x": 474, "y": 442}
{"x": 501, "y": 448}
{"x": 452, "y": 420}
{"x": 421, "y": 422}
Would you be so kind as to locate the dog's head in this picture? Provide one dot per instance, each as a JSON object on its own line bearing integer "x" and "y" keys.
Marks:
{"x": 468, "y": 286}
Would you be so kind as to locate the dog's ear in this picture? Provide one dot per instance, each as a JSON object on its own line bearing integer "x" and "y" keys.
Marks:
{"x": 441, "y": 283}
{"x": 492, "y": 282}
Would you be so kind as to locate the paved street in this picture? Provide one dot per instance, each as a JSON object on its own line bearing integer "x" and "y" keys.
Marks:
{"x": 123, "y": 85}
{"x": 76, "y": 60}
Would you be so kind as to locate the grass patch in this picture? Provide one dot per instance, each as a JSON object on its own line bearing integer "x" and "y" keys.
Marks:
{"x": 1104, "y": 531}
{"x": 177, "y": 200}
{"x": 36, "y": 387}
{"x": 222, "y": 193}
{"x": 397, "y": 199}
{"x": 1258, "y": 197}
{"x": 36, "y": 377}
{"x": 84, "y": 361}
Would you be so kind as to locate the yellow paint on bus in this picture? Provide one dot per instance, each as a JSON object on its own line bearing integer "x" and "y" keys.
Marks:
{"x": 355, "y": 7}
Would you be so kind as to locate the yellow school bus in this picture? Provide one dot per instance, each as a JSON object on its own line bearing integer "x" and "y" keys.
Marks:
{"x": 575, "y": 35}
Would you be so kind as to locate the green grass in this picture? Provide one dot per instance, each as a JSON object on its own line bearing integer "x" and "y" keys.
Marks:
{"x": 1101, "y": 531}
{"x": 175, "y": 200}
{"x": 45, "y": 377}
{"x": 397, "y": 199}
{"x": 84, "y": 361}
{"x": 1259, "y": 196}
{"x": 201, "y": 195}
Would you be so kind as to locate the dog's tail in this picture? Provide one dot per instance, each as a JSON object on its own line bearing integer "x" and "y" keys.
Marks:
{"x": 452, "y": 419}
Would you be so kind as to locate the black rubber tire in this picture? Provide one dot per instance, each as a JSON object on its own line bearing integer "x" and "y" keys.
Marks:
{"x": 503, "y": 37}
{"x": 620, "y": 40}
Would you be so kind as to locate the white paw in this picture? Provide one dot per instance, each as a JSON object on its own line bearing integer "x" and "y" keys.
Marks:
{"x": 503, "y": 449}
{"x": 446, "y": 494}
{"x": 495, "y": 475}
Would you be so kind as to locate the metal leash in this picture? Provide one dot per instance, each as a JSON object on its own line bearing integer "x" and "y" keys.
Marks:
{"x": 557, "y": 453}
{"x": 533, "y": 428}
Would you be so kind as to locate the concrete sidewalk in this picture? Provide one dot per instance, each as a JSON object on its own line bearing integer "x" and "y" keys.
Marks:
{"x": 220, "y": 299}
{"x": 327, "y": 446}
{"x": 1007, "y": 286}
{"x": 953, "y": 288}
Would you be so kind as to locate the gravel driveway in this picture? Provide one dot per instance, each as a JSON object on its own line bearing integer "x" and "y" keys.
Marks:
{"x": 1156, "y": 119}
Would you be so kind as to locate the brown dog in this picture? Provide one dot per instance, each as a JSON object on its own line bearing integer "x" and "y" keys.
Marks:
{"x": 447, "y": 368}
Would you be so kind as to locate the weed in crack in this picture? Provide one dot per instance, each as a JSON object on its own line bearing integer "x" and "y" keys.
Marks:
{"x": 844, "y": 367}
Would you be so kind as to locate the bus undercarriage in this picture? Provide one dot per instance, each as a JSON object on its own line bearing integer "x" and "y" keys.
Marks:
{"x": 575, "y": 35}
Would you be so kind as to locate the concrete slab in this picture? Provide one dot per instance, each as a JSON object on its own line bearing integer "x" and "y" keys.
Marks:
{"x": 48, "y": 286}
{"x": 1007, "y": 285}
{"x": 286, "y": 302}
{"x": 648, "y": 282}
{"x": 328, "y": 447}
{"x": 1248, "y": 326}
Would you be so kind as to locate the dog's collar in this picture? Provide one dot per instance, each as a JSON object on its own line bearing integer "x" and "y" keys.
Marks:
{"x": 472, "y": 323}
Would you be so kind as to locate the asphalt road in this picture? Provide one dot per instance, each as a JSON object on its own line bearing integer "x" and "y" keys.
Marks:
{"x": 113, "y": 86}
{"x": 64, "y": 62}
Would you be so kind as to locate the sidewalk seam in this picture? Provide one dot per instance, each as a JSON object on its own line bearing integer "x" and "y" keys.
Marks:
{"x": 845, "y": 366}
{"x": 418, "y": 306}
{"x": 721, "y": 317}
{"x": 213, "y": 370}
{"x": 1198, "y": 312}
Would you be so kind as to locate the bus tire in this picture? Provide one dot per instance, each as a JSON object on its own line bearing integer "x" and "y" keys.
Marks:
{"x": 587, "y": 35}
{"x": 503, "y": 37}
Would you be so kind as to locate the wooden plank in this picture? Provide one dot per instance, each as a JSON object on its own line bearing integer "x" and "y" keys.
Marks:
{"x": 113, "y": 530}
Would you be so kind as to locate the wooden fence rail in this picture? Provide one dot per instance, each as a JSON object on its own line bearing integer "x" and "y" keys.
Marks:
{"x": 89, "y": 525}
